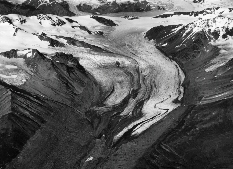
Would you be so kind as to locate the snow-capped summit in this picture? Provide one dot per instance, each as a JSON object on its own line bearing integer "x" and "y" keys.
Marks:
{"x": 214, "y": 24}
{"x": 55, "y": 21}
{"x": 38, "y": 3}
{"x": 51, "y": 33}
{"x": 14, "y": 67}
{"x": 5, "y": 19}
{"x": 77, "y": 7}
{"x": 209, "y": 35}
{"x": 217, "y": 27}
{"x": 34, "y": 7}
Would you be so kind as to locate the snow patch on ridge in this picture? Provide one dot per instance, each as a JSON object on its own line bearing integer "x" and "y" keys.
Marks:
{"x": 221, "y": 26}
{"x": 226, "y": 53}
{"x": 160, "y": 78}
{"x": 19, "y": 32}
{"x": 14, "y": 71}
{"x": 217, "y": 27}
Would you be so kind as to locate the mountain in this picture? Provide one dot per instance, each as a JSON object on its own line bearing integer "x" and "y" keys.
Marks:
{"x": 40, "y": 31}
{"x": 114, "y": 7}
{"x": 66, "y": 84}
{"x": 29, "y": 8}
{"x": 196, "y": 35}
{"x": 71, "y": 7}
{"x": 203, "y": 49}
{"x": 72, "y": 92}
{"x": 27, "y": 109}
{"x": 94, "y": 91}
{"x": 64, "y": 8}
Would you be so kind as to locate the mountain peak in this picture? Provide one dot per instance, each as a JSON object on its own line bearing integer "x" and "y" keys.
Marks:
{"x": 38, "y": 3}
{"x": 215, "y": 27}
{"x": 17, "y": 66}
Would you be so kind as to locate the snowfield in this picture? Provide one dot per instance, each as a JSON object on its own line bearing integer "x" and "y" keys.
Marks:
{"x": 174, "y": 5}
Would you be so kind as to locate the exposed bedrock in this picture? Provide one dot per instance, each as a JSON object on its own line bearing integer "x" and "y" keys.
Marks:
{"x": 201, "y": 139}
{"x": 79, "y": 111}
{"x": 91, "y": 108}
{"x": 213, "y": 10}
{"x": 119, "y": 101}
{"x": 34, "y": 7}
{"x": 114, "y": 7}
{"x": 104, "y": 21}
{"x": 66, "y": 8}
{"x": 199, "y": 48}
{"x": 42, "y": 108}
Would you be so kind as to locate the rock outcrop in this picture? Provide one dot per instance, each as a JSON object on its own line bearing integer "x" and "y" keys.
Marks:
{"x": 201, "y": 50}
{"x": 114, "y": 7}
{"x": 33, "y": 7}
{"x": 100, "y": 92}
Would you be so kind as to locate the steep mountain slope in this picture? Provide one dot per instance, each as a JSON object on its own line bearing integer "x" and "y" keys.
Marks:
{"x": 107, "y": 92}
{"x": 179, "y": 38}
{"x": 36, "y": 91}
{"x": 46, "y": 32}
{"x": 103, "y": 95}
{"x": 203, "y": 49}
{"x": 114, "y": 7}
{"x": 72, "y": 7}
{"x": 29, "y": 8}
{"x": 175, "y": 5}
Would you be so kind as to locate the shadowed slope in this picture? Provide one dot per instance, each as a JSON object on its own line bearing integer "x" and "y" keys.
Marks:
{"x": 53, "y": 94}
{"x": 201, "y": 139}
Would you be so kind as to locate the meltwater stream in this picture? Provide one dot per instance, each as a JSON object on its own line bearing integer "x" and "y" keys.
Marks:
{"x": 74, "y": 83}
{"x": 149, "y": 81}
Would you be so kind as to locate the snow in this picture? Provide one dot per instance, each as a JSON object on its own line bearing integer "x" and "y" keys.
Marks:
{"x": 89, "y": 159}
{"x": 13, "y": 70}
{"x": 21, "y": 41}
{"x": 226, "y": 53}
{"x": 174, "y": 5}
{"x": 160, "y": 78}
{"x": 26, "y": 36}
{"x": 214, "y": 22}
{"x": 160, "y": 72}
{"x": 27, "y": 52}
{"x": 77, "y": 2}
{"x": 11, "y": 67}
{"x": 8, "y": 77}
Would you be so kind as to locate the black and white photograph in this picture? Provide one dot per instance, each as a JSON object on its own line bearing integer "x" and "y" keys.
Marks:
{"x": 116, "y": 84}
